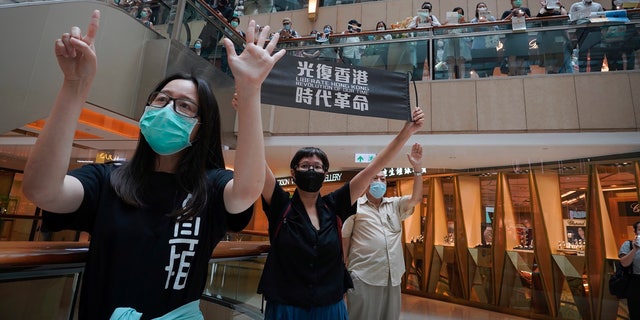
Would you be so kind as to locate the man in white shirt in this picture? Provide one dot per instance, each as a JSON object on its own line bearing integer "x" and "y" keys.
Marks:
{"x": 593, "y": 6}
{"x": 590, "y": 50}
{"x": 372, "y": 241}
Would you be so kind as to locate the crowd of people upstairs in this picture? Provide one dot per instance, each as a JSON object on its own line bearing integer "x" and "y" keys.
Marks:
{"x": 482, "y": 55}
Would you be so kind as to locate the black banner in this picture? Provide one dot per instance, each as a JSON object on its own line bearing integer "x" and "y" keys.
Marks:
{"x": 339, "y": 88}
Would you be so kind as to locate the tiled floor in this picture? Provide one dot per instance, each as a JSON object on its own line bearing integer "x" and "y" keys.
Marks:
{"x": 414, "y": 308}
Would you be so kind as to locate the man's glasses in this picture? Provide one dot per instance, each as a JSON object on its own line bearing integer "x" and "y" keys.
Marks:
{"x": 307, "y": 167}
{"x": 183, "y": 107}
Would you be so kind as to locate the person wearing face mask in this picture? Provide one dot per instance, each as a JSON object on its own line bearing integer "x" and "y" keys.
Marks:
{"x": 324, "y": 54}
{"x": 484, "y": 57}
{"x": 209, "y": 34}
{"x": 589, "y": 40}
{"x": 553, "y": 45}
{"x": 305, "y": 276}
{"x": 516, "y": 45}
{"x": 224, "y": 64}
{"x": 155, "y": 219}
{"x": 372, "y": 241}
{"x": 145, "y": 16}
{"x": 457, "y": 51}
{"x": 379, "y": 50}
{"x": 422, "y": 20}
{"x": 287, "y": 31}
{"x": 352, "y": 54}
{"x": 425, "y": 18}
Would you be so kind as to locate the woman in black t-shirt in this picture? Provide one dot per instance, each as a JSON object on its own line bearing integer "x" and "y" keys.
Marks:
{"x": 154, "y": 220}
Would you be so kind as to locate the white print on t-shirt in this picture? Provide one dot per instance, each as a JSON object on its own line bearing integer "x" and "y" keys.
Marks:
{"x": 183, "y": 245}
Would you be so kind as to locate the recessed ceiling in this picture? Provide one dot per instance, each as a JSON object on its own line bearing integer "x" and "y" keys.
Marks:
{"x": 442, "y": 152}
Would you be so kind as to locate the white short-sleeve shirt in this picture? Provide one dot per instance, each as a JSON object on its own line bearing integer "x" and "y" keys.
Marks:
{"x": 376, "y": 240}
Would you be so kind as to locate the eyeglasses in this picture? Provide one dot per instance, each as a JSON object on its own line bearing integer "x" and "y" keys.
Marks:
{"x": 308, "y": 166}
{"x": 183, "y": 107}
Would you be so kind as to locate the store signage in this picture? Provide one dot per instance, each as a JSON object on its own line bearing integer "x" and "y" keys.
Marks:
{"x": 395, "y": 172}
{"x": 364, "y": 157}
{"x": 104, "y": 156}
{"x": 338, "y": 176}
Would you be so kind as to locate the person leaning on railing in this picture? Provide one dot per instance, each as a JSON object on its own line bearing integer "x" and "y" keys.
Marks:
{"x": 554, "y": 45}
{"x": 324, "y": 54}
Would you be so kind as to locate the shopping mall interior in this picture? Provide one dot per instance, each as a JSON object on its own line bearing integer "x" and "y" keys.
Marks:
{"x": 530, "y": 177}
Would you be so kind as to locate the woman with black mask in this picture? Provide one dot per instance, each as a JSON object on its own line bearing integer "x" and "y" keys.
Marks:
{"x": 304, "y": 276}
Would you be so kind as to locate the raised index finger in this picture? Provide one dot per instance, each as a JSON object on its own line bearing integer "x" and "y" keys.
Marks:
{"x": 92, "y": 29}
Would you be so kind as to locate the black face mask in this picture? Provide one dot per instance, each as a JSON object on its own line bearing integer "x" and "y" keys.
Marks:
{"x": 309, "y": 181}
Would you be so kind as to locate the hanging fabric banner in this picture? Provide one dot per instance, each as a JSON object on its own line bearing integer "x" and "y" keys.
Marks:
{"x": 333, "y": 87}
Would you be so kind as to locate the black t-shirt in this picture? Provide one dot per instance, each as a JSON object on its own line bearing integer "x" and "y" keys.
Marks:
{"x": 507, "y": 12}
{"x": 139, "y": 257}
{"x": 305, "y": 267}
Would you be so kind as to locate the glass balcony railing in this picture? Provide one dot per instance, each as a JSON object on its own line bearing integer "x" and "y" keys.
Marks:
{"x": 545, "y": 46}
{"x": 549, "y": 45}
{"x": 41, "y": 280}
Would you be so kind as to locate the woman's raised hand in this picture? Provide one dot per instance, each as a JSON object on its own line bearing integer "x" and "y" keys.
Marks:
{"x": 76, "y": 53}
{"x": 415, "y": 157}
{"x": 252, "y": 66}
{"x": 417, "y": 120}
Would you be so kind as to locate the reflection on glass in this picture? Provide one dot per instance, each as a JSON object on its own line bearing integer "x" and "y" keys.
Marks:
{"x": 414, "y": 257}
{"x": 481, "y": 264}
{"x": 621, "y": 197}
{"x": 449, "y": 282}
{"x": 521, "y": 206}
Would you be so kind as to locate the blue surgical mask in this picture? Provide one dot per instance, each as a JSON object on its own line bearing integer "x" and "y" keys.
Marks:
{"x": 287, "y": 27}
{"x": 197, "y": 45}
{"x": 377, "y": 189}
{"x": 143, "y": 14}
{"x": 234, "y": 24}
{"x": 327, "y": 30}
{"x": 166, "y": 131}
{"x": 517, "y": 3}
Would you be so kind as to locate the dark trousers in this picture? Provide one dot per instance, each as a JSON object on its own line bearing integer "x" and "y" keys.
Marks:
{"x": 633, "y": 300}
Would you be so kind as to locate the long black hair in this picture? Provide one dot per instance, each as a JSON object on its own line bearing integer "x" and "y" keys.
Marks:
{"x": 131, "y": 180}
{"x": 477, "y": 5}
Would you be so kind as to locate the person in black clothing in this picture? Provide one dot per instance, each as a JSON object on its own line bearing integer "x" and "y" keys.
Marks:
{"x": 209, "y": 35}
{"x": 224, "y": 64}
{"x": 154, "y": 220}
{"x": 304, "y": 276}
{"x": 224, "y": 9}
{"x": 629, "y": 256}
{"x": 516, "y": 45}
{"x": 553, "y": 45}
